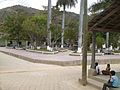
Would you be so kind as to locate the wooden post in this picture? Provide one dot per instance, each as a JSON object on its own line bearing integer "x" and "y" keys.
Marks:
{"x": 84, "y": 56}
{"x": 93, "y": 49}
{"x": 92, "y": 69}
{"x": 107, "y": 41}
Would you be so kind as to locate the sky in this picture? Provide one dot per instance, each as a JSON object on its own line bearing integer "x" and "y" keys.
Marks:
{"x": 39, "y": 3}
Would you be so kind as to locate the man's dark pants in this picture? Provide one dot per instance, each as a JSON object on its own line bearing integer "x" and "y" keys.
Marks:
{"x": 109, "y": 85}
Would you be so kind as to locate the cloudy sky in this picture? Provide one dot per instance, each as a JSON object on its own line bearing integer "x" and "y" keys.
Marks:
{"x": 38, "y": 4}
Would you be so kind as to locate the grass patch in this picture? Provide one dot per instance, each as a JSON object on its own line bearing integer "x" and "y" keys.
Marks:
{"x": 118, "y": 51}
{"x": 42, "y": 49}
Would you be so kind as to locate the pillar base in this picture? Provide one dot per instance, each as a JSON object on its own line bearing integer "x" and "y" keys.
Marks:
{"x": 81, "y": 82}
{"x": 79, "y": 50}
{"x": 49, "y": 48}
{"x": 91, "y": 72}
{"x": 61, "y": 46}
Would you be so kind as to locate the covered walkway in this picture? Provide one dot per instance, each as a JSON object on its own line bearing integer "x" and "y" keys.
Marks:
{"x": 106, "y": 21}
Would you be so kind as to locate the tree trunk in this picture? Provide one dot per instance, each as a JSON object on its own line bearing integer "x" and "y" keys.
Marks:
{"x": 18, "y": 38}
{"x": 35, "y": 44}
{"x": 80, "y": 27}
{"x": 48, "y": 26}
{"x": 6, "y": 43}
{"x": 84, "y": 56}
{"x": 63, "y": 26}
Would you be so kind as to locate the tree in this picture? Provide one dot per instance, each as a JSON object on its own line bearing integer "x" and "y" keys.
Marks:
{"x": 12, "y": 26}
{"x": 55, "y": 26}
{"x": 71, "y": 32}
{"x": 100, "y": 41}
{"x": 35, "y": 28}
{"x": 115, "y": 39}
{"x": 64, "y": 3}
{"x": 55, "y": 34}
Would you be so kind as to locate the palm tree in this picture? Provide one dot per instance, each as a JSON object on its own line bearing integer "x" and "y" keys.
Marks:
{"x": 80, "y": 27}
{"x": 64, "y": 3}
{"x": 48, "y": 26}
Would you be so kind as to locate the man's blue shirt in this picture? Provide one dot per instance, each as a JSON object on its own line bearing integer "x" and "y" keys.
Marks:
{"x": 115, "y": 81}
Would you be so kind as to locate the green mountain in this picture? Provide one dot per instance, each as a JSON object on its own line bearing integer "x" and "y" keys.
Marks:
{"x": 30, "y": 11}
{"x": 15, "y": 9}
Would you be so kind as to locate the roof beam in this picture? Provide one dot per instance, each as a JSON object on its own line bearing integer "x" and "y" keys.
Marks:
{"x": 117, "y": 25}
{"x": 112, "y": 20}
{"x": 107, "y": 16}
{"x": 105, "y": 30}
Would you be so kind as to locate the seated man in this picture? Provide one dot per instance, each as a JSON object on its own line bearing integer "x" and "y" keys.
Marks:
{"x": 113, "y": 81}
{"x": 107, "y": 71}
{"x": 97, "y": 69}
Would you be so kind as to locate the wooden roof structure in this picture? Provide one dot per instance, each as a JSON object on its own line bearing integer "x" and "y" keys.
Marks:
{"x": 108, "y": 20}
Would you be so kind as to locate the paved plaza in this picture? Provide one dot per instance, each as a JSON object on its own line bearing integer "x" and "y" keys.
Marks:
{"x": 18, "y": 74}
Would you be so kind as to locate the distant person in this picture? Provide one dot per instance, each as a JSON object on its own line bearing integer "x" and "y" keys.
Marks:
{"x": 97, "y": 69}
{"x": 113, "y": 82}
{"x": 107, "y": 71}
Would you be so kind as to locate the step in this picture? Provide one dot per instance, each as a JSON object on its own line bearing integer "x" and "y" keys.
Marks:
{"x": 95, "y": 84}
{"x": 114, "y": 89}
{"x": 98, "y": 81}
{"x": 98, "y": 85}
{"x": 101, "y": 78}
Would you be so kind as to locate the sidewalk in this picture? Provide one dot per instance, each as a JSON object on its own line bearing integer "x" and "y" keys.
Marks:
{"x": 62, "y": 58}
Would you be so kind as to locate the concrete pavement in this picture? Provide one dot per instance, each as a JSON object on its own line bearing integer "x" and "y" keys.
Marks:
{"x": 17, "y": 74}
